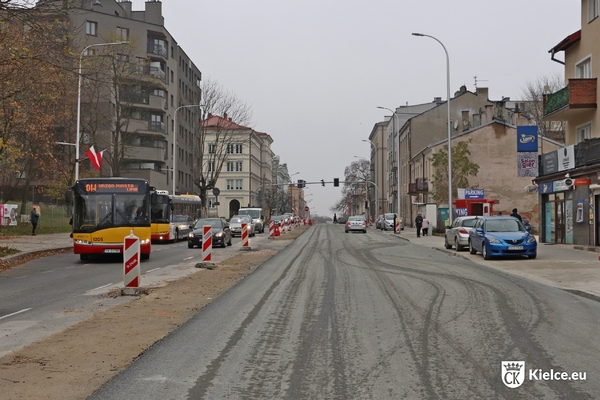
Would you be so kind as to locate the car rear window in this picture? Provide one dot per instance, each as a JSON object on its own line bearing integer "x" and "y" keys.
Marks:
{"x": 469, "y": 223}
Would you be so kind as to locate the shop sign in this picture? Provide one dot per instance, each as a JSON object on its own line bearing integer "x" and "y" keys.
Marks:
{"x": 474, "y": 194}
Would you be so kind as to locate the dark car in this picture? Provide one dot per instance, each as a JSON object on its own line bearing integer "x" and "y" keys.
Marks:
{"x": 221, "y": 234}
{"x": 500, "y": 237}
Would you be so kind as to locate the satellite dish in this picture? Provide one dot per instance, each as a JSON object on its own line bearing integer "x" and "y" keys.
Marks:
{"x": 455, "y": 124}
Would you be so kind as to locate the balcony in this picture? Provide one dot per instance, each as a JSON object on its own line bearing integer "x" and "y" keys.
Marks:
{"x": 145, "y": 101}
{"x": 143, "y": 126}
{"x": 145, "y": 153}
{"x": 572, "y": 101}
{"x": 157, "y": 50}
{"x": 420, "y": 185}
{"x": 150, "y": 73}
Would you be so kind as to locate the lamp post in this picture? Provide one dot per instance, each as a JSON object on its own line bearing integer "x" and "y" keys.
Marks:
{"x": 399, "y": 210}
{"x": 77, "y": 139}
{"x": 175, "y": 142}
{"x": 448, "y": 123}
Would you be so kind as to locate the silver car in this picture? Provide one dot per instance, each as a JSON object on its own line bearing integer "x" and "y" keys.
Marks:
{"x": 235, "y": 224}
{"x": 388, "y": 222}
{"x": 458, "y": 234}
{"x": 356, "y": 223}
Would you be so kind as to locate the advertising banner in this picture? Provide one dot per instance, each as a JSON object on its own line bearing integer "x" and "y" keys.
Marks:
{"x": 566, "y": 158}
{"x": 527, "y": 139}
{"x": 9, "y": 216}
{"x": 527, "y": 164}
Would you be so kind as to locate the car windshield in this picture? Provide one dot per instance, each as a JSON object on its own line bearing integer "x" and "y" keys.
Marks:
{"x": 504, "y": 225}
{"x": 469, "y": 223}
{"x": 389, "y": 216}
{"x": 239, "y": 220}
{"x": 215, "y": 223}
{"x": 252, "y": 213}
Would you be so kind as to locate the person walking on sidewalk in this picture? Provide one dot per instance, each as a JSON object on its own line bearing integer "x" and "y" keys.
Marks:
{"x": 334, "y": 218}
{"x": 419, "y": 224}
{"x": 425, "y": 226}
{"x": 516, "y": 215}
{"x": 34, "y": 218}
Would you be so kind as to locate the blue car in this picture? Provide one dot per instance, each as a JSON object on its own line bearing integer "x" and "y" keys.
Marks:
{"x": 501, "y": 237}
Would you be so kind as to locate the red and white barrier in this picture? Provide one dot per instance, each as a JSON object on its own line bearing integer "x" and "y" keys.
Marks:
{"x": 304, "y": 220}
{"x": 132, "y": 275}
{"x": 207, "y": 241}
{"x": 289, "y": 224}
{"x": 244, "y": 235}
{"x": 271, "y": 228}
{"x": 276, "y": 231}
{"x": 397, "y": 226}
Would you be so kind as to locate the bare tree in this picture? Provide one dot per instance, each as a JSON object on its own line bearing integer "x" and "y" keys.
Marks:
{"x": 275, "y": 199}
{"x": 354, "y": 191}
{"x": 534, "y": 107}
{"x": 225, "y": 123}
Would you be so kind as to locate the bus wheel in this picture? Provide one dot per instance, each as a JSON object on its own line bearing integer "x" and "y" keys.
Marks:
{"x": 145, "y": 256}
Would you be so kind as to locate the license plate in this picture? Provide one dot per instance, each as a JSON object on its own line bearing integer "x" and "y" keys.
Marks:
{"x": 112, "y": 250}
{"x": 515, "y": 247}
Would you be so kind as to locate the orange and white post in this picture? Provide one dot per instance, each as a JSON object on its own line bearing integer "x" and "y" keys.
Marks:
{"x": 131, "y": 261}
{"x": 207, "y": 243}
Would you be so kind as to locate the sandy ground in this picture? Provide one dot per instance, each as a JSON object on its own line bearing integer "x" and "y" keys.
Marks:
{"x": 76, "y": 362}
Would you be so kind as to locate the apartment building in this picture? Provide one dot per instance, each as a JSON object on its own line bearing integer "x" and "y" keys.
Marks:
{"x": 145, "y": 112}
{"x": 378, "y": 194}
{"x": 569, "y": 183}
{"x": 243, "y": 158}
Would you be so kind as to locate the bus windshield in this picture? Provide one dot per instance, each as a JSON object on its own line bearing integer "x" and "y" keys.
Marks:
{"x": 159, "y": 211}
{"x": 98, "y": 211}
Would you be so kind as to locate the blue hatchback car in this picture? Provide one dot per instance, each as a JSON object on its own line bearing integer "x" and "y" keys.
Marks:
{"x": 501, "y": 237}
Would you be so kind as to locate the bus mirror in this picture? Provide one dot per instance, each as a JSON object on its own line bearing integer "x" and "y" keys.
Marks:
{"x": 153, "y": 198}
{"x": 69, "y": 196}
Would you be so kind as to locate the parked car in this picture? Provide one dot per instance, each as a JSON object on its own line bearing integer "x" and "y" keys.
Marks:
{"x": 221, "y": 233}
{"x": 458, "y": 234}
{"x": 389, "y": 222}
{"x": 501, "y": 237}
{"x": 183, "y": 226}
{"x": 235, "y": 225}
{"x": 342, "y": 218}
{"x": 356, "y": 223}
{"x": 278, "y": 219}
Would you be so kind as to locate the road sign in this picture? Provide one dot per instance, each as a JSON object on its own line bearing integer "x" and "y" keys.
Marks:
{"x": 306, "y": 208}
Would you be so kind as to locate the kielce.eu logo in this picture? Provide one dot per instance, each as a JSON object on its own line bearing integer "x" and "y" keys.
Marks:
{"x": 513, "y": 373}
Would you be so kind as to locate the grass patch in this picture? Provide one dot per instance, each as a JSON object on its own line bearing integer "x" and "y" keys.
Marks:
{"x": 53, "y": 219}
{"x": 8, "y": 251}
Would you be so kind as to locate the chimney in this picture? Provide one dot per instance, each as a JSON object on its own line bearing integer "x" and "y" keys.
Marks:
{"x": 482, "y": 91}
{"x": 225, "y": 116}
{"x": 126, "y": 7}
{"x": 437, "y": 100}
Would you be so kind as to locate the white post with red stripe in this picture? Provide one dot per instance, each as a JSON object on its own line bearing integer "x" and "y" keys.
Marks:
{"x": 289, "y": 222}
{"x": 245, "y": 237}
{"x": 207, "y": 241}
{"x": 132, "y": 275}
{"x": 271, "y": 229}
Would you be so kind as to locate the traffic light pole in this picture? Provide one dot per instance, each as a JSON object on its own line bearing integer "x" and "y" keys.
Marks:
{"x": 322, "y": 182}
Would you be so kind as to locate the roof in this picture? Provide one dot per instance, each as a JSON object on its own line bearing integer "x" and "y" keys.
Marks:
{"x": 214, "y": 121}
{"x": 566, "y": 42}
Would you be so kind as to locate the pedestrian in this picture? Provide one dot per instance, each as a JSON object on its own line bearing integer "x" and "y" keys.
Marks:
{"x": 396, "y": 223}
{"x": 425, "y": 226}
{"x": 34, "y": 217}
{"x": 419, "y": 224}
{"x": 134, "y": 214}
{"x": 334, "y": 218}
{"x": 516, "y": 215}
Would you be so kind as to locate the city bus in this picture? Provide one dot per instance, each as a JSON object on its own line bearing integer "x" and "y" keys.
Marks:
{"x": 105, "y": 210}
{"x": 172, "y": 216}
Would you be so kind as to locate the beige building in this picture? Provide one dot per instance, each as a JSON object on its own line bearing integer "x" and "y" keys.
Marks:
{"x": 378, "y": 195}
{"x": 569, "y": 203}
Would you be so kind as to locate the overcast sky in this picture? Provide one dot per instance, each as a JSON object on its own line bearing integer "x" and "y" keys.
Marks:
{"x": 314, "y": 71}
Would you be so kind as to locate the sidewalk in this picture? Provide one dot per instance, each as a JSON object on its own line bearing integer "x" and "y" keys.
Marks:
{"x": 34, "y": 244}
{"x": 562, "y": 266}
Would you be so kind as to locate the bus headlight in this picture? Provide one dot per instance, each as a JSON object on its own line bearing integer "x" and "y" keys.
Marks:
{"x": 145, "y": 241}
{"x": 83, "y": 242}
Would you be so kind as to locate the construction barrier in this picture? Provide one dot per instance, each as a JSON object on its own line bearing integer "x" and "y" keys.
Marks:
{"x": 309, "y": 221}
{"x": 244, "y": 235}
{"x": 397, "y": 226}
{"x": 289, "y": 224}
{"x": 131, "y": 261}
{"x": 271, "y": 228}
{"x": 304, "y": 220}
{"x": 276, "y": 231}
{"x": 207, "y": 243}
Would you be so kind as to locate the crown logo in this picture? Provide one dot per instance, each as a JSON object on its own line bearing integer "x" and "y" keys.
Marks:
{"x": 512, "y": 367}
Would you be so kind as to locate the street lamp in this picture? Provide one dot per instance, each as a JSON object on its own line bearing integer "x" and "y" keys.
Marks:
{"x": 175, "y": 142}
{"x": 79, "y": 102}
{"x": 375, "y": 175}
{"x": 448, "y": 123}
{"x": 397, "y": 158}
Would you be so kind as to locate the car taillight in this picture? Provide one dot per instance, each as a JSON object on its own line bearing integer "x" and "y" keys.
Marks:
{"x": 348, "y": 223}
{"x": 365, "y": 223}
{"x": 463, "y": 231}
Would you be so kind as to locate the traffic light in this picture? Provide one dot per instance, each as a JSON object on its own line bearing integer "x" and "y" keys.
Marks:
{"x": 336, "y": 182}
{"x": 323, "y": 182}
{"x": 301, "y": 183}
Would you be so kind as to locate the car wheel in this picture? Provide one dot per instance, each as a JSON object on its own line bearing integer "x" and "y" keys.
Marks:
{"x": 458, "y": 246}
{"x": 446, "y": 244}
{"x": 471, "y": 249}
{"x": 190, "y": 245}
{"x": 532, "y": 256}
{"x": 484, "y": 252}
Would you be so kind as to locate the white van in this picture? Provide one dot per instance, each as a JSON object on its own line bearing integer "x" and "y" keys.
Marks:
{"x": 256, "y": 213}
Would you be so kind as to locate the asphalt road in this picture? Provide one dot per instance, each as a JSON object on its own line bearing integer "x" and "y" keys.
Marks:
{"x": 349, "y": 316}
{"x": 49, "y": 294}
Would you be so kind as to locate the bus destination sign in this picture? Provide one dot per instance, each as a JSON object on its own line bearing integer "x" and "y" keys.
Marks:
{"x": 106, "y": 187}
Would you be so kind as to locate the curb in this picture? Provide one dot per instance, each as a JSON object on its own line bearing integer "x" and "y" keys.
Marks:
{"x": 16, "y": 257}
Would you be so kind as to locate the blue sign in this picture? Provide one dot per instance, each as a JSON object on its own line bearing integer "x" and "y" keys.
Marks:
{"x": 546, "y": 188}
{"x": 474, "y": 194}
{"x": 527, "y": 138}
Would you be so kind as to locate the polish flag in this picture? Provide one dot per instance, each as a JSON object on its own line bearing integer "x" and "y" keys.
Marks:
{"x": 95, "y": 158}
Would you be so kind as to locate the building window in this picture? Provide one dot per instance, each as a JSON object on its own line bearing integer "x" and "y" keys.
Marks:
{"x": 583, "y": 70}
{"x": 238, "y": 166}
{"x": 234, "y": 148}
{"x": 212, "y": 148}
{"x": 122, "y": 33}
{"x": 210, "y": 166}
{"x": 592, "y": 9}
{"x": 230, "y": 166}
{"x": 90, "y": 52}
{"x": 234, "y": 184}
{"x": 229, "y": 184}
{"x": 238, "y": 184}
{"x": 584, "y": 132}
{"x": 91, "y": 28}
